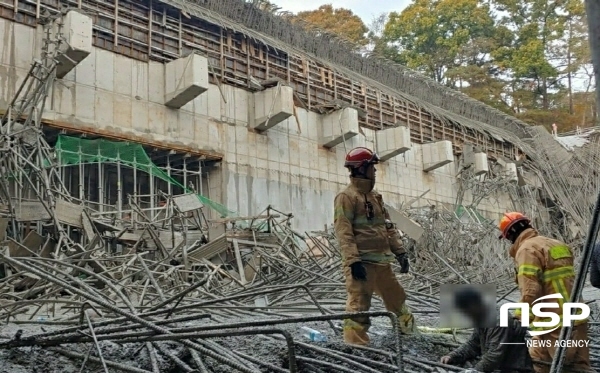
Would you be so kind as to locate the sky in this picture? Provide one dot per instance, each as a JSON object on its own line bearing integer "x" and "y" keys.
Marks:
{"x": 365, "y": 9}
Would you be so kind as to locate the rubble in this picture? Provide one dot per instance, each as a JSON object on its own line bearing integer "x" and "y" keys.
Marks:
{"x": 140, "y": 286}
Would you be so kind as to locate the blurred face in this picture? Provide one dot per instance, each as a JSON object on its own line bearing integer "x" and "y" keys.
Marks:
{"x": 475, "y": 312}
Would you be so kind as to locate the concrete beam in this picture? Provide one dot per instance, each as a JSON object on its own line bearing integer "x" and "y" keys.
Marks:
{"x": 475, "y": 159}
{"x": 185, "y": 79}
{"x": 271, "y": 107}
{"x": 339, "y": 126}
{"x": 392, "y": 142}
{"x": 77, "y": 32}
{"x": 437, "y": 154}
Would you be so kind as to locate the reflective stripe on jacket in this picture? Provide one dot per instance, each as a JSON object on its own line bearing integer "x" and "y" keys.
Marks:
{"x": 361, "y": 238}
{"x": 544, "y": 267}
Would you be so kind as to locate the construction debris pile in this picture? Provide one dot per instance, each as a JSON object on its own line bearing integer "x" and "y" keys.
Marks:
{"x": 85, "y": 286}
{"x": 236, "y": 303}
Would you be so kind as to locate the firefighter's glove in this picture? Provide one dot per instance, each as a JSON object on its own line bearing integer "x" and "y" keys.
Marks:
{"x": 403, "y": 261}
{"x": 359, "y": 272}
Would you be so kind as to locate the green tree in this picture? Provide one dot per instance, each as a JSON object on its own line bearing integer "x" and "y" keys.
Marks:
{"x": 437, "y": 36}
{"x": 339, "y": 21}
{"x": 549, "y": 49}
{"x": 537, "y": 26}
{"x": 576, "y": 48}
{"x": 520, "y": 56}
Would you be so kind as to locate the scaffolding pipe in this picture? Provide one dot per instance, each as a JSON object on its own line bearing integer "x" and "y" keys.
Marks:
{"x": 119, "y": 187}
{"x": 151, "y": 175}
{"x": 81, "y": 177}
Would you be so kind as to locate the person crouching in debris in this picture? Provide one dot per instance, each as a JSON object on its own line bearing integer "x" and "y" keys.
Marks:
{"x": 369, "y": 243}
{"x": 501, "y": 349}
{"x": 544, "y": 267}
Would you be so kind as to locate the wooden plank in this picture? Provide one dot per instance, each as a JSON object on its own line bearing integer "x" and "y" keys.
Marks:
{"x": 187, "y": 202}
{"x": 3, "y": 225}
{"x": 240, "y": 264}
{"x": 88, "y": 228}
{"x": 32, "y": 241}
{"x": 30, "y": 211}
{"x": 69, "y": 213}
{"x": 164, "y": 41}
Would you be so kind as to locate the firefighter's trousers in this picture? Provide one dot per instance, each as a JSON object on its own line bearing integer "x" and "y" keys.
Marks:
{"x": 382, "y": 281}
{"x": 576, "y": 360}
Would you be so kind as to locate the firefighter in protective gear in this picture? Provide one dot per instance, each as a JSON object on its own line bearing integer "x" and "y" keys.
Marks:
{"x": 369, "y": 244}
{"x": 544, "y": 267}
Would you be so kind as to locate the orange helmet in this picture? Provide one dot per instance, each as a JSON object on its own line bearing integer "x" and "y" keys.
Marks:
{"x": 509, "y": 220}
{"x": 360, "y": 156}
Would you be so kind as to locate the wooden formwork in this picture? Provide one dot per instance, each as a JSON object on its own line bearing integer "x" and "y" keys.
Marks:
{"x": 151, "y": 30}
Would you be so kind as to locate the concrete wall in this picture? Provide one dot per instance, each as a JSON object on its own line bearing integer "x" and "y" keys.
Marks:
{"x": 283, "y": 166}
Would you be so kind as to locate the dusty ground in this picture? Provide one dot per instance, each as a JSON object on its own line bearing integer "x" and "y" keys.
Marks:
{"x": 424, "y": 346}
{"x": 267, "y": 349}
{"x": 34, "y": 359}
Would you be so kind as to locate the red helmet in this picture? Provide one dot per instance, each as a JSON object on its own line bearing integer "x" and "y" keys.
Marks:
{"x": 509, "y": 220}
{"x": 360, "y": 156}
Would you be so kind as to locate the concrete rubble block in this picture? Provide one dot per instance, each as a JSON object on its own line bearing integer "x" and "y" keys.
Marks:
{"x": 339, "y": 126}
{"x": 480, "y": 166}
{"x": 406, "y": 225}
{"x": 272, "y": 106}
{"x": 509, "y": 169}
{"x": 77, "y": 31}
{"x": 392, "y": 142}
{"x": 475, "y": 159}
{"x": 185, "y": 79}
{"x": 437, "y": 154}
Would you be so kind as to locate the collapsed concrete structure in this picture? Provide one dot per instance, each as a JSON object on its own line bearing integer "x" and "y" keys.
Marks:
{"x": 145, "y": 134}
{"x": 220, "y": 99}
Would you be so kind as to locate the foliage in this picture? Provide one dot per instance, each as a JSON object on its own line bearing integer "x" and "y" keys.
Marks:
{"x": 436, "y": 36}
{"x": 529, "y": 58}
{"x": 339, "y": 21}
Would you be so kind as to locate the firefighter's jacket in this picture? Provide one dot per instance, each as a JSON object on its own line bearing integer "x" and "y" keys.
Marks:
{"x": 361, "y": 238}
{"x": 544, "y": 266}
{"x": 501, "y": 349}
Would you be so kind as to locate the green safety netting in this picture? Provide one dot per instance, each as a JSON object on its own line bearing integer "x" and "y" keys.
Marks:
{"x": 473, "y": 213}
{"x": 74, "y": 150}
